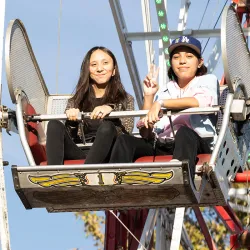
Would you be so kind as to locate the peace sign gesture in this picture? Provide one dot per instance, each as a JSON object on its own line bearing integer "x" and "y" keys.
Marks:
{"x": 150, "y": 85}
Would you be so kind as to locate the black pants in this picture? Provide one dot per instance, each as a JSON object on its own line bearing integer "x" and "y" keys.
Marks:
{"x": 186, "y": 147}
{"x": 60, "y": 146}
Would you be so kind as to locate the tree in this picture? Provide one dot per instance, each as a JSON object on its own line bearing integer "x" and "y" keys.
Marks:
{"x": 93, "y": 227}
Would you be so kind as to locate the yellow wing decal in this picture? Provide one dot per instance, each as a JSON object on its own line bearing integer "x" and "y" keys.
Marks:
{"x": 119, "y": 178}
{"x": 162, "y": 175}
{"x": 139, "y": 177}
{"x": 138, "y": 173}
{"x": 60, "y": 180}
{"x": 39, "y": 179}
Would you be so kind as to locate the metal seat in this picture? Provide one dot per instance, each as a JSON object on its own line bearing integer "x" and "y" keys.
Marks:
{"x": 77, "y": 187}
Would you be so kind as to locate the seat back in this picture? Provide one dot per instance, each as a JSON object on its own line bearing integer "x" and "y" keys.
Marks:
{"x": 235, "y": 53}
{"x": 23, "y": 72}
{"x": 35, "y": 135}
{"x": 56, "y": 105}
{"x": 24, "y": 75}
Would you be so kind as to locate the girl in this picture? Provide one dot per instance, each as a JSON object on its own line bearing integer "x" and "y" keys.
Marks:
{"x": 189, "y": 87}
{"x": 99, "y": 90}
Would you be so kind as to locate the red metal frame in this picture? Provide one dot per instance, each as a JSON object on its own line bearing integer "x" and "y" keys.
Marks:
{"x": 242, "y": 7}
{"x": 240, "y": 240}
{"x": 204, "y": 229}
{"x": 223, "y": 80}
{"x": 116, "y": 235}
{"x": 229, "y": 218}
{"x": 240, "y": 237}
{"x": 242, "y": 177}
{"x": 110, "y": 231}
{"x": 137, "y": 219}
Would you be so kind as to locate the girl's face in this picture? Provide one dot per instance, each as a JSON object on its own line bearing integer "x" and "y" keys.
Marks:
{"x": 185, "y": 63}
{"x": 101, "y": 67}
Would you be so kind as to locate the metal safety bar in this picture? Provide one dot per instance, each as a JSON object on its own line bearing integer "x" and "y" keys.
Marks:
{"x": 148, "y": 228}
{"x": 21, "y": 130}
{"x": 223, "y": 129}
{"x": 122, "y": 114}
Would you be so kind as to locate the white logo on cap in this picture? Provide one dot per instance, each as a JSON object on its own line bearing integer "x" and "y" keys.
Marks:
{"x": 185, "y": 39}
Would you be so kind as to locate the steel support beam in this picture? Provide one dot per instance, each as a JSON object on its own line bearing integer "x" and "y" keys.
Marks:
{"x": 163, "y": 76}
{"x": 177, "y": 228}
{"x": 229, "y": 219}
{"x": 148, "y": 228}
{"x": 204, "y": 229}
{"x": 185, "y": 4}
{"x": 145, "y": 7}
{"x": 155, "y": 35}
{"x": 214, "y": 56}
{"x": 127, "y": 49}
{"x": 161, "y": 10}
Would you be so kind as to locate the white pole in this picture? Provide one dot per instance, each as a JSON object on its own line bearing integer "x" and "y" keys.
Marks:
{"x": 177, "y": 228}
{"x": 147, "y": 28}
{"x": 163, "y": 74}
{"x": 4, "y": 226}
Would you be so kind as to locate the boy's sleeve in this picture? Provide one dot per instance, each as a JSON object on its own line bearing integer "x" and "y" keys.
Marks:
{"x": 162, "y": 95}
{"x": 207, "y": 91}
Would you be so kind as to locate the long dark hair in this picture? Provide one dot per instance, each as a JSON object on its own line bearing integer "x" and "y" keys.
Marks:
{"x": 84, "y": 96}
{"x": 200, "y": 71}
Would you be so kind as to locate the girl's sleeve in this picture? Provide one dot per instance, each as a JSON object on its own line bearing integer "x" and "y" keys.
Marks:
{"x": 70, "y": 104}
{"x": 128, "y": 122}
{"x": 68, "y": 123}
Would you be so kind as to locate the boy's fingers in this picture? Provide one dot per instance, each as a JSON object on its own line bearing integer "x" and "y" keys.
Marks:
{"x": 157, "y": 72}
{"x": 151, "y": 69}
{"x": 146, "y": 82}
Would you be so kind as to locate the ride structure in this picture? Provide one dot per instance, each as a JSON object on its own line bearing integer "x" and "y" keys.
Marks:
{"x": 165, "y": 188}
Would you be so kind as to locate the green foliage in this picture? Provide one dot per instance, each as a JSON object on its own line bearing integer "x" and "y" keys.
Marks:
{"x": 216, "y": 228}
{"x": 92, "y": 227}
{"x": 243, "y": 217}
{"x": 93, "y": 223}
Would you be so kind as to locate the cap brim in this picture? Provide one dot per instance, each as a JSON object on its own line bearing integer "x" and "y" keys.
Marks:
{"x": 171, "y": 48}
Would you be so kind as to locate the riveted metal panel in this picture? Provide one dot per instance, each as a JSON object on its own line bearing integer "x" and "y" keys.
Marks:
{"x": 235, "y": 53}
{"x": 22, "y": 69}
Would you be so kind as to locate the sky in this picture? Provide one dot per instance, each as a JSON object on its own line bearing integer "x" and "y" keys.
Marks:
{"x": 84, "y": 24}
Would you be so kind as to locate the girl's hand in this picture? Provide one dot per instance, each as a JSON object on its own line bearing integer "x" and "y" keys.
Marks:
{"x": 72, "y": 114}
{"x": 153, "y": 115}
{"x": 145, "y": 132}
{"x": 141, "y": 123}
{"x": 100, "y": 112}
{"x": 150, "y": 86}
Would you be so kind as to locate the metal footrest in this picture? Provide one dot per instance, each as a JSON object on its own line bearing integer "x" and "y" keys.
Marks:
{"x": 111, "y": 186}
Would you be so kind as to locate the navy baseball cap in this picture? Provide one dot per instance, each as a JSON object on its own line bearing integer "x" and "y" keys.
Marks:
{"x": 187, "y": 41}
